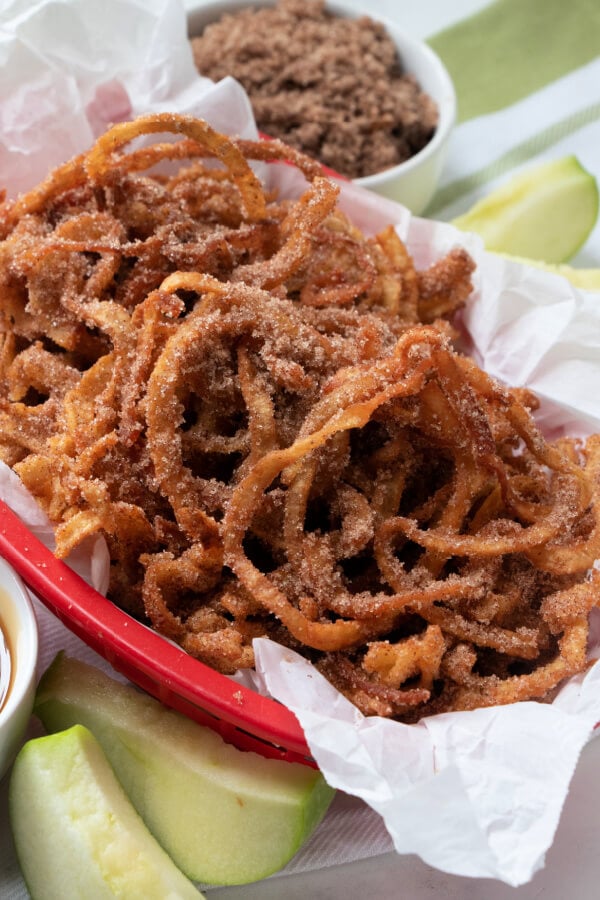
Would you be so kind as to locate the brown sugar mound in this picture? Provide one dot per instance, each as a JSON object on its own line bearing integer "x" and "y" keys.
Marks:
{"x": 331, "y": 87}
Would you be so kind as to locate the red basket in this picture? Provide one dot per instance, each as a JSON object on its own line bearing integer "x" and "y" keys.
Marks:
{"x": 242, "y": 716}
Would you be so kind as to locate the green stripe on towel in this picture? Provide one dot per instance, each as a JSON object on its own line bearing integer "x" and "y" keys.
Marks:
{"x": 515, "y": 47}
{"x": 517, "y": 155}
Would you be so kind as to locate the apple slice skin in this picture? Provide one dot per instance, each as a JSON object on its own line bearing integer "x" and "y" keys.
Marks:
{"x": 76, "y": 833}
{"x": 223, "y": 815}
{"x": 545, "y": 212}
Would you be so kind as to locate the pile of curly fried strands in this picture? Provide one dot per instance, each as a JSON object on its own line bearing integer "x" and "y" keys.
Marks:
{"x": 261, "y": 410}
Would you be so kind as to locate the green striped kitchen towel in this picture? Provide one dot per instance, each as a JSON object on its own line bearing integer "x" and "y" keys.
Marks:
{"x": 527, "y": 77}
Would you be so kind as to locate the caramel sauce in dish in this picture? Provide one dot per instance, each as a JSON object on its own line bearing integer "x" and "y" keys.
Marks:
{"x": 6, "y": 669}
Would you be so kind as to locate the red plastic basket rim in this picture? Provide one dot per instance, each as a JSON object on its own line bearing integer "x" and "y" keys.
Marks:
{"x": 242, "y": 716}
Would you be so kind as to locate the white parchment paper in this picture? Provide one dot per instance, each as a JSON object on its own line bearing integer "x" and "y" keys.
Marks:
{"x": 477, "y": 793}
{"x": 70, "y": 68}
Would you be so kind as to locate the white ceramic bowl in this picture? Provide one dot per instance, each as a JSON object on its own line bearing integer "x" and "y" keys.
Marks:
{"x": 413, "y": 182}
{"x": 19, "y": 626}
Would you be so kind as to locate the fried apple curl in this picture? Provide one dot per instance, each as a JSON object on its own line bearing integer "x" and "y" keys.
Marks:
{"x": 262, "y": 411}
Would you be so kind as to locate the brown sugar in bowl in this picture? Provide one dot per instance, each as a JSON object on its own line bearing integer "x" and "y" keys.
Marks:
{"x": 367, "y": 100}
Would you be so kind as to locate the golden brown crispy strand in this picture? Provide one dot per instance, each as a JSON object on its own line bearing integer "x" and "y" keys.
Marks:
{"x": 262, "y": 411}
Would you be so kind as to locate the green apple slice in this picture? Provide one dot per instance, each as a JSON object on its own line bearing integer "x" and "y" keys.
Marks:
{"x": 223, "y": 815}
{"x": 545, "y": 212}
{"x": 76, "y": 833}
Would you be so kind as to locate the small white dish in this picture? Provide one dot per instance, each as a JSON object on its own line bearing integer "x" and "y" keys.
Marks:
{"x": 19, "y": 629}
{"x": 414, "y": 181}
